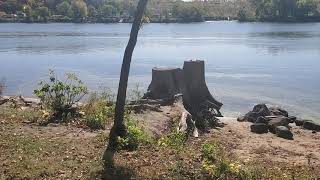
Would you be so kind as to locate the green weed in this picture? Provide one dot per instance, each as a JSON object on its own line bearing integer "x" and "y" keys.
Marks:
{"x": 175, "y": 140}
{"x": 59, "y": 96}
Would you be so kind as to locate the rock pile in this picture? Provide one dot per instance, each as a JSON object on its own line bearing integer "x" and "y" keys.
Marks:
{"x": 275, "y": 120}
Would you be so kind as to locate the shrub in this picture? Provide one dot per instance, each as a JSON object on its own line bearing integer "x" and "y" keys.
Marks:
{"x": 135, "y": 137}
{"x": 59, "y": 97}
{"x": 98, "y": 110}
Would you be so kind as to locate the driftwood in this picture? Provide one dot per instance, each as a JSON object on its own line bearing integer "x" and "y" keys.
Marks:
{"x": 200, "y": 108}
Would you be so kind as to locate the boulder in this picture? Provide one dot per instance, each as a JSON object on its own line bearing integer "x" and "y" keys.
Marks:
{"x": 299, "y": 122}
{"x": 262, "y": 119}
{"x": 276, "y": 111}
{"x": 261, "y": 109}
{"x": 278, "y": 121}
{"x": 311, "y": 125}
{"x": 283, "y": 132}
{"x": 251, "y": 116}
{"x": 258, "y": 110}
{"x": 259, "y": 128}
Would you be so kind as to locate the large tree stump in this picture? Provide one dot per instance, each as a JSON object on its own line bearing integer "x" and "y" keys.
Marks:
{"x": 166, "y": 83}
{"x": 196, "y": 95}
{"x": 198, "y": 102}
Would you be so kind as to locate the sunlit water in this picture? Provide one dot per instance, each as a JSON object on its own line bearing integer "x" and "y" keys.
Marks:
{"x": 246, "y": 63}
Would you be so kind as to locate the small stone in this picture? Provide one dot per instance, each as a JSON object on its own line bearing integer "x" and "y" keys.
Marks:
{"x": 284, "y": 132}
{"x": 241, "y": 119}
{"x": 259, "y": 128}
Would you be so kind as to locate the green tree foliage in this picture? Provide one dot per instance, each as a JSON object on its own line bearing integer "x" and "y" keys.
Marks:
{"x": 43, "y": 12}
{"x": 10, "y": 6}
{"x": 306, "y": 8}
{"x": 166, "y": 10}
{"x": 79, "y": 8}
{"x": 285, "y": 9}
{"x": 107, "y": 11}
{"x": 92, "y": 11}
{"x": 64, "y": 9}
{"x": 188, "y": 12}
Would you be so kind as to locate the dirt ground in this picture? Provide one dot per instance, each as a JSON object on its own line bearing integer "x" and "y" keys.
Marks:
{"x": 304, "y": 149}
{"x": 30, "y": 151}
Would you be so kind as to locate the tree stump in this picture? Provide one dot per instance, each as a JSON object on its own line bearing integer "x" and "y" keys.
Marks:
{"x": 196, "y": 95}
{"x": 198, "y": 102}
{"x": 166, "y": 83}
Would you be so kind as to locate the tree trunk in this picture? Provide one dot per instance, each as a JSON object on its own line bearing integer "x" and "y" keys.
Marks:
{"x": 197, "y": 99}
{"x": 195, "y": 91}
{"x": 119, "y": 128}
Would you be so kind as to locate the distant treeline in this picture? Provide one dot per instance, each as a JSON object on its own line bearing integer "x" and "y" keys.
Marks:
{"x": 110, "y": 11}
{"x": 280, "y": 10}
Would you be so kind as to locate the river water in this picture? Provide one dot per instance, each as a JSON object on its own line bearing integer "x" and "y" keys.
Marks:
{"x": 246, "y": 63}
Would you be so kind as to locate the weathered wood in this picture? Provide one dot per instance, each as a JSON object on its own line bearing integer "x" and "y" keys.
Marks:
{"x": 195, "y": 92}
{"x": 186, "y": 124}
{"x": 166, "y": 83}
{"x": 199, "y": 104}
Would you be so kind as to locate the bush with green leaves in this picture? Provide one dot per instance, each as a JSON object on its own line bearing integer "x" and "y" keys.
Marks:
{"x": 98, "y": 109}
{"x": 60, "y": 96}
{"x": 136, "y": 135}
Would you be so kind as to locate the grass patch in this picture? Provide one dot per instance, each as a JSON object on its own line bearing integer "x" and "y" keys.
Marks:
{"x": 25, "y": 156}
{"x": 16, "y": 115}
{"x": 175, "y": 140}
{"x": 98, "y": 111}
{"x": 136, "y": 135}
{"x": 217, "y": 165}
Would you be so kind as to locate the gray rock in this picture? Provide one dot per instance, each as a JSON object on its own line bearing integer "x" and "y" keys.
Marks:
{"x": 276, "y": 111}
{"x": 262, "y": 119}
{"x": 278, "y": 121}
{"x": 259, "y": 128}
{"x": 283, "y": 132}
{"x": 258, "y": 110}
{"x": 241, "y": 119}
{"x": 292, "y": 119}
{"x": 311, "y": 125}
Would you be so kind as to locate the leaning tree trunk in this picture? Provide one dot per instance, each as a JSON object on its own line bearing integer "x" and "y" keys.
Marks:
{"x": 119, "y": 128}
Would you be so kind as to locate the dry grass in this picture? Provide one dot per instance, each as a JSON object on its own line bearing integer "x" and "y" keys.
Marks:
{"x": 29, "y": 151}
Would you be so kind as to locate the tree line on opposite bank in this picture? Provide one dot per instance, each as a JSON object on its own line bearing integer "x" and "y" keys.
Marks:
{"x": 111, "y": 11}
{"x": 280, "y": 10}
